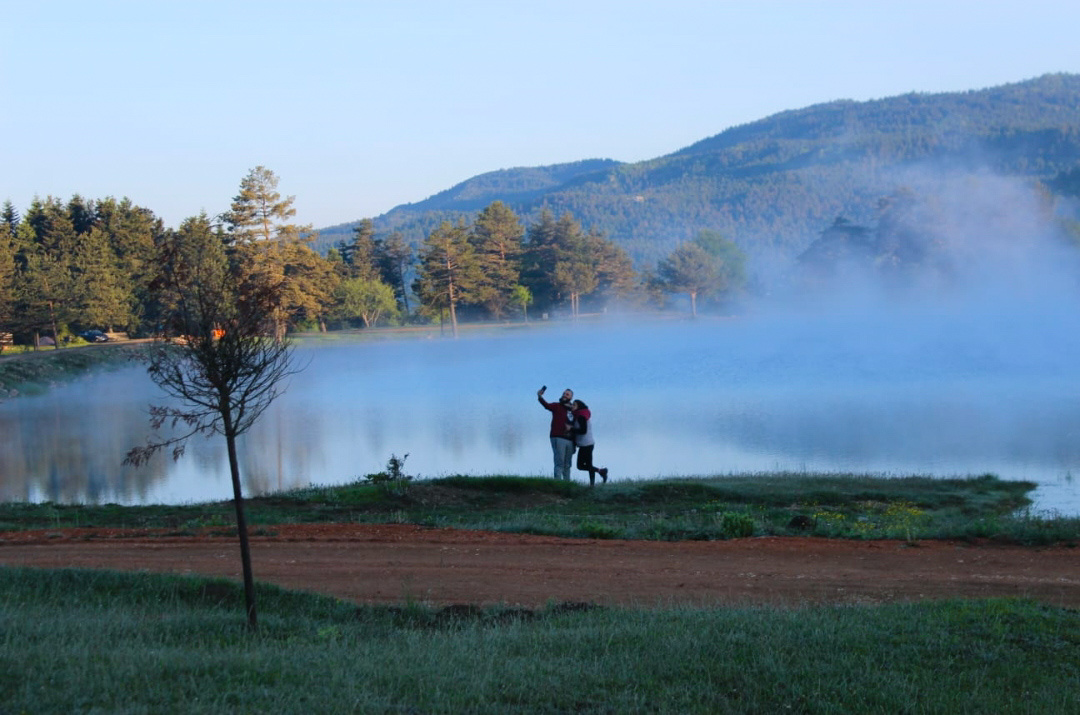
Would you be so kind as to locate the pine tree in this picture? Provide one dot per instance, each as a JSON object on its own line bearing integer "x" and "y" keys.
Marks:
{"x": 134, "y": 234}
{"x": 562, "y": 263}
{"x": 10, "y": 217}
{"x": 616, "y": 277}
{"x": 360, "y": 254}
{"x": 576, "y": 262}
{"x": 272, "y": 250}
{"x": 448, "y": 272}
{"x": 43, "y": 283}
{"x": 538, "y": 260}
{"x": 497, "y": 236}
{"x": 310, "y": 281}
{"x": 7, "y": 274}
{"x": 394, "y": 257}
{"x": 81, "y": 214}
{"x": 258, "y": 213}
{"x": 101, "y": 298}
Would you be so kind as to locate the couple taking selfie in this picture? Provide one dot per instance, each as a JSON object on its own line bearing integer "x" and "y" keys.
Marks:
{"x": 571, "y": 427}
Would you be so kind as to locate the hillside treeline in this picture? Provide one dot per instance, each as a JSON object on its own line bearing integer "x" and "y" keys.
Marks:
{"x": 771, "y": 185}
{"x": 67, "y": 267}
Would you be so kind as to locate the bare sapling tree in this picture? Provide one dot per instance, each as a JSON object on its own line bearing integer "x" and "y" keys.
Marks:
{"x": 213, "y": 356}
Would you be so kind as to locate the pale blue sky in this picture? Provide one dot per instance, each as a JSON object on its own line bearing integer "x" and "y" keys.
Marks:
{"x": 361, "y": 106}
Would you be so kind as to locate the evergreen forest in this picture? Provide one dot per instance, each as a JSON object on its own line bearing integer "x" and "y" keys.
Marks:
{"x": 76, "y": 267}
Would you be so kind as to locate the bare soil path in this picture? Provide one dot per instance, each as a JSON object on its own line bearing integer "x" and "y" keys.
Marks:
{"x": 396, "y": 563}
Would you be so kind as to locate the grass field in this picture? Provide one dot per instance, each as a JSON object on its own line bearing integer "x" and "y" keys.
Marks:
{"x": 87, "y": 641}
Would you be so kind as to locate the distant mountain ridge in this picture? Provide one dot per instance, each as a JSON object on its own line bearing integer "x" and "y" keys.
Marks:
{"x": 774, "y": 184}
{"x": 520, "y": 186}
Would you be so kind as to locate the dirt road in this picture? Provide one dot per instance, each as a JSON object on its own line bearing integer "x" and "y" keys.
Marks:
{"x": 392, "y": 564}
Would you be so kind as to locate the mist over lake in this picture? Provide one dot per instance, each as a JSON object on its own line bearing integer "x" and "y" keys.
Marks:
{"x": 939, "y": 391}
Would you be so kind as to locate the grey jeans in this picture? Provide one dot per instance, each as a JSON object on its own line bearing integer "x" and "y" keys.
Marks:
{"x": 563, "y": 451}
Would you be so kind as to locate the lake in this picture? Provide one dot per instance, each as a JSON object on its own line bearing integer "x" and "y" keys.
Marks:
{"x": 929, "y": 392}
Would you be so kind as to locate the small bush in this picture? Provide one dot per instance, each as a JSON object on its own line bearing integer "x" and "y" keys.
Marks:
{"x": 596, "y": 530}
{"x": 905, "y": 518}
{"x": 735, "y": 525}
{"x": 394, "y": 481}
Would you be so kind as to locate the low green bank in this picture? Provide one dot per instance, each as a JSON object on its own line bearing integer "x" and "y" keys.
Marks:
{"x": 32, "y": 372}
{"x": 90, "y": 641}
{"x": 841, "y": 506}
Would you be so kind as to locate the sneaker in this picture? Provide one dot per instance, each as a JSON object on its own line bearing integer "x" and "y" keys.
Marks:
{"x": 603, "y": 474}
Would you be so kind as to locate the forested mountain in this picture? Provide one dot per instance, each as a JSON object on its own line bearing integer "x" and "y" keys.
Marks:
{"x": 774, "y": 185}
{"x": 518, "y": 187}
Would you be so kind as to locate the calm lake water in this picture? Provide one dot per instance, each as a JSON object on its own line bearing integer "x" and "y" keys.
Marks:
{"x": 938, "y": 393}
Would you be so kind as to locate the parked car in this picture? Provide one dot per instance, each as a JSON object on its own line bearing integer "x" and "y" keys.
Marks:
{"x": 94, "y": 336}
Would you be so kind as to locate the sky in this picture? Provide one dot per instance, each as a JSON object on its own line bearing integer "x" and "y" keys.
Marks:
{"x": 361, "y": 106}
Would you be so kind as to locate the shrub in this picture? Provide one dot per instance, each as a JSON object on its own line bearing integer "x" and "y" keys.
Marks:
{"x": 735, "y": 525}
{"x": 905, "y": 518}
{"x": 394, "y": 481}
{"x": 595, "y": 530}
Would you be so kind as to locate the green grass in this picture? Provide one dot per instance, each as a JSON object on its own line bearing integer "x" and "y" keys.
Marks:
{"x": 839, "y": 506}
{"x": 93, "y": 641}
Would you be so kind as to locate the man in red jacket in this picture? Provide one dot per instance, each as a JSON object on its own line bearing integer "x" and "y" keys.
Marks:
{"x": 562, "y": 430}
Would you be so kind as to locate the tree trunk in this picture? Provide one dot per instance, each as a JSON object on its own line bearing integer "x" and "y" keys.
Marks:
{"x": 241, "y": 528}
{"x": 452, "y": 300}
{"x": 52, "y": 321}
{"x": 279, "y": 328}
{"x": 404, "y": 291}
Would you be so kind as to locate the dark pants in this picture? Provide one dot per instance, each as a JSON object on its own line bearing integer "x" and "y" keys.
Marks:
{"x": 584, "y": 461}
